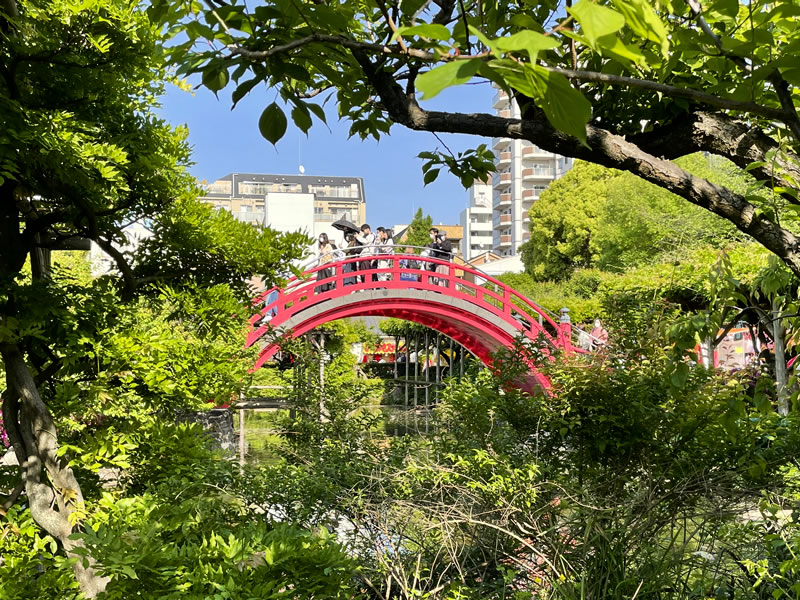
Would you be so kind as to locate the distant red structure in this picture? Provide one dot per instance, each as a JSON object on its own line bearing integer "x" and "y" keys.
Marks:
{"x": 477, "y": 311}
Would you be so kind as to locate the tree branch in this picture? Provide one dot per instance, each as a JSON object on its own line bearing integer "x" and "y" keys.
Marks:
{"x": 722, "y": 135}
{"x": 128, "y": 278}
{"x": 779, "y": 84}
{"x": 786, "y": 114}
{"x": 675, "y": 92}
{"x": 604, "y": 148}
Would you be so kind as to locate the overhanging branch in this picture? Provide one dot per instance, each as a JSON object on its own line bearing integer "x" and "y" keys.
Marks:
{"x": 786, "y": 114}
{"x": 604, "y": 148}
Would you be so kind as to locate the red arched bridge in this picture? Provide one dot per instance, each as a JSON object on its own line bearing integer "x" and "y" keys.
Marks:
{"x": 474, "y": 309}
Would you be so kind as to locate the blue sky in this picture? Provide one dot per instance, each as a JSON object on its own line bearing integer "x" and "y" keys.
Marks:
{"x": 226, "y": 141}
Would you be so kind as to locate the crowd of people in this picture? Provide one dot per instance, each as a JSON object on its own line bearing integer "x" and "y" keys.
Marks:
{"x": 373, "y": 249}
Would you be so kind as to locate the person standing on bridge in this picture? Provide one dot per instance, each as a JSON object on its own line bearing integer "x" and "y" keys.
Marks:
{"x": 325, "y": 251}
{"x": 443, "y": 250}
{"x": 386, "y": 246}
{"x": 351, "y": 248}
{"x": 367, "y": 240}
{"x": 599, "y": 336}
{"x": 431, "y": 251}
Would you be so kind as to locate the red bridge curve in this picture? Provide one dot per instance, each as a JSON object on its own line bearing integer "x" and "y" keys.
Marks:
{"x": 474, "y": 309}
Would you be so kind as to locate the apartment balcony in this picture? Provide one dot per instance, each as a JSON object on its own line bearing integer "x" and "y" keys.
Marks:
{"x": 501, "y": 180}
{"x": 503, "y": 241}
{"x": 535, "y": 174}
{"x": 501, "y": 144}
{"x": 506, "y": 113}
{"x": 501, "y": 221}
{"x": 501, "y": 200}
{"x": 250, "y": 216}
{"x": 535, "y": 152}
{"x": 530, "y": 195}
{"x": 481, "y": 226}
{"x": 503, "y": 159}
{"x": 500, "y": 100}
{"x": 526, "y": 236}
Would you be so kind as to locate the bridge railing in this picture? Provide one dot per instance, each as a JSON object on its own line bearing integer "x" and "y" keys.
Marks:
{"x": 355, "y": 273}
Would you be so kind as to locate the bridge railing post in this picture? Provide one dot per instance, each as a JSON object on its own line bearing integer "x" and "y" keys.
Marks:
{"x": 565, "y": 330}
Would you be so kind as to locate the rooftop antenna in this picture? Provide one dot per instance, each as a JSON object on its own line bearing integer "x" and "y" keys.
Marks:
{"x": 301, "y": 169}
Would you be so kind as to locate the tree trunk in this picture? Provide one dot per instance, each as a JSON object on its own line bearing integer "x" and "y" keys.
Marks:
{"x": 33, "y": 433}
{"x": 779, "y": 341}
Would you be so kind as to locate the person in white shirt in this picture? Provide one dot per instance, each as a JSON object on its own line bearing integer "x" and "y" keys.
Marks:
{"x": 367, "y": 240}
{"x": 385, "y": 246}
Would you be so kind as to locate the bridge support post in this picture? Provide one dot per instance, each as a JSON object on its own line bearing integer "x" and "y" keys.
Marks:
{"x": 242, "y": 439}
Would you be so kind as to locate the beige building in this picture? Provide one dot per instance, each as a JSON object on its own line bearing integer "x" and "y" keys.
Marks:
{"x": 291, "y": 202}
{"x": 523, "y": 172}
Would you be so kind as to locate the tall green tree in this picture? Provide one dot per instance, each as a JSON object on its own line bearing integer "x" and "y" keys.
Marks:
{"x": 627, "y": 84}
{"x": 612, "y": 220}
{"x": 418, "y": 229}
{"x": 82, "y": 155}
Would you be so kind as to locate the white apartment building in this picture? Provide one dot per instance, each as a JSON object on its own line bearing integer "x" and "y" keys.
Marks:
{"x": 476, "y": 221}
{"x": 523, "y": 172}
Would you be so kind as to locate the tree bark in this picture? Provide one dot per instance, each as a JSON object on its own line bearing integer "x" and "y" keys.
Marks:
{"x": 35, "y": 439}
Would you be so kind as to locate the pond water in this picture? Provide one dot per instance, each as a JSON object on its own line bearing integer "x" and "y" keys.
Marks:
{"x": 263, "y": 442}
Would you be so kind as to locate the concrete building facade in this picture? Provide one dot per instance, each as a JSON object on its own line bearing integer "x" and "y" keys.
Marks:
{"x": 291, "y": 202}
{"x": 476, "y": 221}
{"x": 523, "y": 172}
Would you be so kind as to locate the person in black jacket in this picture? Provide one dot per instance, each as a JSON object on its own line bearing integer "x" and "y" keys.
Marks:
{"x": 444, "y": 251}
{"x": 431, "y": 251}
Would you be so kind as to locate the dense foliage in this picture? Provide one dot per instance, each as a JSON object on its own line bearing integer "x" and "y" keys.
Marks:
{"x": 594, "y": 217}
{"x": 82, "y": 156}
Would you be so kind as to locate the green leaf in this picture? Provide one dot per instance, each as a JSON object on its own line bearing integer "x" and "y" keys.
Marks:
{"x": 644, "y": 22}
{"x": 529, "y": 41}
{"x": 431, "y": 176}
{"x": 487, "y": 71}
{"x": 596, "y": 21}
{"x": 446, "y": 75}
{"x": 272, "y": 123}
{"x": 614, "y": 47}
{"x": 242, "y": 90}
{"x": 301, "y": 118}
{"x": 428, "y": 30}
{"x": 680, "y": 375}
{"x": 721, "y": 10}
{"x": 215, "y": 78}
{"x": 565, "y": 107}
{"x": 525, "y": 22}
{"x": 318, "y": 111}
{"x": 483, "y": 39}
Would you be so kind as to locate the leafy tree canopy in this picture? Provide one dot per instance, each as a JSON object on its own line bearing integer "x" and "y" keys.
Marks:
{"x": 82, "y": 155}
{"x": 628, "y": 84}
{"x": 417, "y": 233}
{"x": 612, "y": 220}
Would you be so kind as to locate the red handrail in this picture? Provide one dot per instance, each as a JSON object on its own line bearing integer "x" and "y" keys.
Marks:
{"x": 473, "y": 285}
